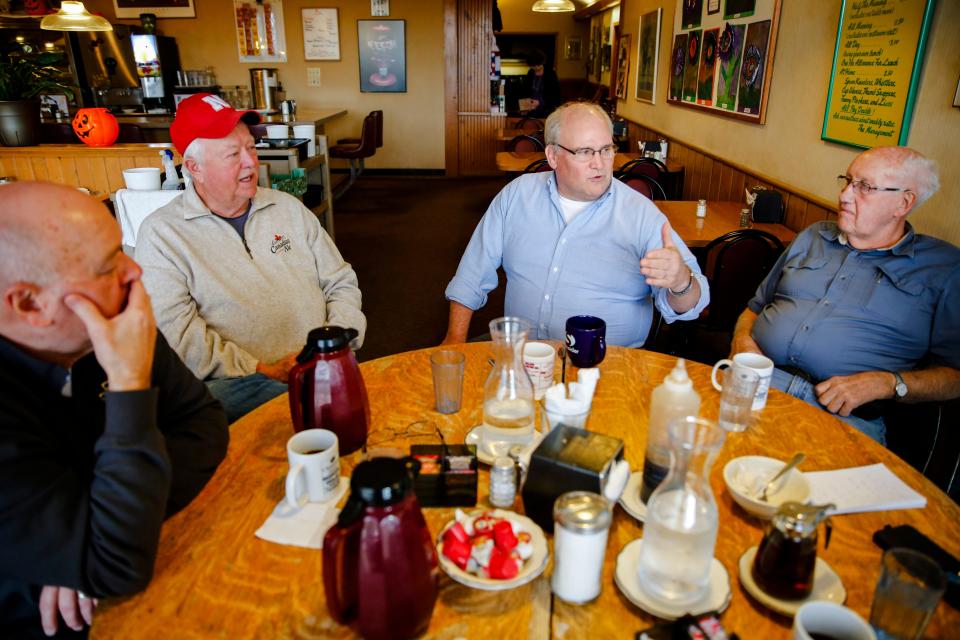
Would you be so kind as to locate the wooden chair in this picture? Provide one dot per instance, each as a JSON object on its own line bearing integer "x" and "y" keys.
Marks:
{"x": 378, "y": 114}
{"x": 528, "y": 124}
{"x": 646, "y": 185}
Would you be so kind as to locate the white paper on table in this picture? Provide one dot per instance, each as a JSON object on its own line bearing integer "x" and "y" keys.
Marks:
{"x": 303, "y": 527}
{"x": 870, "y": 488}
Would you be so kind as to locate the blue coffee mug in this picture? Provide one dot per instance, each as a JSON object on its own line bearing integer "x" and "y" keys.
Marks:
{"x": 586, "y": 341}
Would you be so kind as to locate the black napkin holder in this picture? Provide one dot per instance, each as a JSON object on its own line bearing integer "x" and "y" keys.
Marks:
{"x": 568, "y": 459}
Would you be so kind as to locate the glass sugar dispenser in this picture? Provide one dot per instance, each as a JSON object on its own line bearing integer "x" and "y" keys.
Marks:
{"x": 680, "y": 532}
{"x": 508, "y": 404}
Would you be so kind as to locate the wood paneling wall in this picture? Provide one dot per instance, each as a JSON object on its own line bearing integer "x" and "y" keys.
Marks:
{"x": 98, "y": 169}
{"x": 476, "y": 127}
{"x": 707, "y": 176}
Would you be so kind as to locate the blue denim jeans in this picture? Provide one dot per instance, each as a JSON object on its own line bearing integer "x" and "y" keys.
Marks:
{"x": 241, "y": 395}
{"x": 802, "y": 389}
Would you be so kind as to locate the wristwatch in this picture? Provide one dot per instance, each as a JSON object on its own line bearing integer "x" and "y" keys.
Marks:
{"x": 901, "y": 387}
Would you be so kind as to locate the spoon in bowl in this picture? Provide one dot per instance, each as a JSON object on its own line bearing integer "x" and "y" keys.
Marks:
{"x": 794, "y": 461}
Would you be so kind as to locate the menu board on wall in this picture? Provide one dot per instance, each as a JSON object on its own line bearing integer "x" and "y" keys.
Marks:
{"x": 876, "y": 69}
{"x": 722, "y": 61}
{"x": 260, "y": 36}
{"x": 321, "y": 34}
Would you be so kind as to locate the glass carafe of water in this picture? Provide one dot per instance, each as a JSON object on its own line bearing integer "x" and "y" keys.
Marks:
{"x": 508, "y": 408}
{"x": 680, "y": 531}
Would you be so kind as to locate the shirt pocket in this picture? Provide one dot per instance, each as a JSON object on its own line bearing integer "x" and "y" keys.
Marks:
{"x": 803, "y": 276}
{"x": 898, "y": 299}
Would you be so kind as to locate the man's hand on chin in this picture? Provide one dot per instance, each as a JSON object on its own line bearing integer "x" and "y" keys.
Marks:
{"x": 843, "y": 394}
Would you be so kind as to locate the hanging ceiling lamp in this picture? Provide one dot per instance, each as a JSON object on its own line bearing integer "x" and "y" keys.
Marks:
{"x": 73, "y": 16}
{"x": 553, "y": 6}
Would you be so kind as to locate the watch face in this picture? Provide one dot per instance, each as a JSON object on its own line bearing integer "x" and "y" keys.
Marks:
{"x": 901, "y": 389}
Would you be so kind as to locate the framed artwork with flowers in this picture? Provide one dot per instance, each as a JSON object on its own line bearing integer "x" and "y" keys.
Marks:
{"x": 722, "y": 62}
{"x": 648, "y": 47}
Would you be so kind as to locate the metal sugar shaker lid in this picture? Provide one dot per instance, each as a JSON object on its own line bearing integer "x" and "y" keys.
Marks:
{"x": 582, "y": 512}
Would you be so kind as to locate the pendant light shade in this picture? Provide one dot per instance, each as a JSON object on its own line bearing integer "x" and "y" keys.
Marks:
{"x": 73, "y": 16}
{"x": 553, "y": 6}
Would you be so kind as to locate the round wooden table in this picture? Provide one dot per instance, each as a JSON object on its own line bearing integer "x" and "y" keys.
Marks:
{"x": 213, "y": 578}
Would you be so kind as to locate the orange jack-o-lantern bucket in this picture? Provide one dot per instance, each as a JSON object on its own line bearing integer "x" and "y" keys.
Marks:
{"x": 96, "y": 127}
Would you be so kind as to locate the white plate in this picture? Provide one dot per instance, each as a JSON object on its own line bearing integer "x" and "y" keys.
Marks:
{"x": 532, "y": 568}
{"x": 625, "y": 577}
{"x": 826, "y": 586}
{"x": 486, "y": 456}
{"x": 630, "y": 498}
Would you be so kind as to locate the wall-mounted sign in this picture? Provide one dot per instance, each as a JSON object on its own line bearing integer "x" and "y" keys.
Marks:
{"x": 321, "y": 34}
{"x": 876, "y": 70}
{"x": 259, "y": 26}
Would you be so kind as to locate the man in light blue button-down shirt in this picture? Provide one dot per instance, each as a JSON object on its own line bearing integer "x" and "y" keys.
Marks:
{"x": 574, "y": 241}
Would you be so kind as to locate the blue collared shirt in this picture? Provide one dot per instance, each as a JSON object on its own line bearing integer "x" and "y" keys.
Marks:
{"x": 833, "y": 310}
{"x": 557, "y": 270}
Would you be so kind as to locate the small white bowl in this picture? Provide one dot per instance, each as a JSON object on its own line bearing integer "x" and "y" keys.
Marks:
{"x": 142, "y": 178}
{"x": 746, "y": 476}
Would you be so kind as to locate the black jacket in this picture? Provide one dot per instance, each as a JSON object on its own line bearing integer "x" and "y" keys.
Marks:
{"x": 86, "y": 480}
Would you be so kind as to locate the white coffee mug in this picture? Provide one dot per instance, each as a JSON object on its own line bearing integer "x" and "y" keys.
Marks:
{"x": 538, "y": 360}
{"x": 314, "y": 457}
{"x": 831, "y": 620}
{"x": 759, "y": 363}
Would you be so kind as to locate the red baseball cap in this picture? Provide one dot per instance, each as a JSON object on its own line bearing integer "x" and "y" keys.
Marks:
{"x": 204, "y": 115}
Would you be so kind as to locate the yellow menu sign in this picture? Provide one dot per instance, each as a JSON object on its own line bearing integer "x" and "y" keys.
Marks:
{"x": 876, "y": 68}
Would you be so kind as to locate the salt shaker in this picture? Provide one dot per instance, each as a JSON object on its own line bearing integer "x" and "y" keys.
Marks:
{"x": 503, "y": 482}
{"x": 701, "y": 208}
{"x": 581, "y": 525}
{"x": 744, "y": 218}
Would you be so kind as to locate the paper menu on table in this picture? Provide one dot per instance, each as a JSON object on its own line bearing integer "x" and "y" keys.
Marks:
{"x": 857, "y": 489}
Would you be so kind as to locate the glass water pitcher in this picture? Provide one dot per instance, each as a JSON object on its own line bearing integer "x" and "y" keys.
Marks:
{"x": 680, "y": 531}
{"x": 508, "y": 405}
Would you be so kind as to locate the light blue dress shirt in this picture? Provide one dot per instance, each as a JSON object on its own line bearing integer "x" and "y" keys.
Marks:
{"x": 832, "y": 310}
{"x": 555, "y": 270}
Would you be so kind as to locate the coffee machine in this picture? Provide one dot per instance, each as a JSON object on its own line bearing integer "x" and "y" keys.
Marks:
{"x": 265, "y": 85}
{"x": 157, "y": 61}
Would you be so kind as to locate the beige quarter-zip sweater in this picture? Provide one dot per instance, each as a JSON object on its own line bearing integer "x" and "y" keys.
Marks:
{"x": 225, "y": 303}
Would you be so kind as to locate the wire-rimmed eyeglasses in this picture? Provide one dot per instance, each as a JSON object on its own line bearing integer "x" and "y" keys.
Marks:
{"x": 862, "y": 188}
{"x": 585, "y": 154}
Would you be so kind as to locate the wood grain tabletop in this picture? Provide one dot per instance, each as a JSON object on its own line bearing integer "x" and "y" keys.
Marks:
{"x": 214, "y": 579}
{"x": 722, "y": 217}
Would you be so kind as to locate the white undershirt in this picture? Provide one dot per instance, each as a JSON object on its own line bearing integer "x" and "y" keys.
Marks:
{"x": 572, "y": 208}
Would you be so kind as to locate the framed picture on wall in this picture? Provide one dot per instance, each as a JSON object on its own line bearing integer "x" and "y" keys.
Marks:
{"x": 259, "y": 27}
{"x": 54, "y": 105}
{"x": 321, "y": 34}
{"x": 623, "y": 66}
{"x": 722, "y": 62}
{"x": 573, "y": 48}
{"x": 648, "y": 48}
{"x": 383, "y": 56}
{"x": 159, "y": 8}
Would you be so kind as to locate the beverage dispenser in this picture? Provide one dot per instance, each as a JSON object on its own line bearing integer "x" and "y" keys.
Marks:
{"x": 157, "y": 60}
{"x": 264, "y": 83}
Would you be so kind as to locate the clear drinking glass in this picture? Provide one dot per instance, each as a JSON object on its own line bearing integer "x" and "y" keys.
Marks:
{"x": 680, "y": 531}
{"x": 447, "y": 368}
{"x": 908, "y": 591}
{"x": 508, "y": 405}
{"x": 736, "y": 399}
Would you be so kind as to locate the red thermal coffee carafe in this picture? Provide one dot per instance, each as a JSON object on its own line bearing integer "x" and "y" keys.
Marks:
{"x": 379, "y": 562}
{"x": 327, "y": 390}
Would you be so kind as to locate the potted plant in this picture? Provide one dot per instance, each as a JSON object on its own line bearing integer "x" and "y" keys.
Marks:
{"x": 22, "y": 79}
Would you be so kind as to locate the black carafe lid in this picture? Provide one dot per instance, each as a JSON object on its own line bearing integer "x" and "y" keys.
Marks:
{"x": 326, "y": 340}
{"x": 382, "y": 481}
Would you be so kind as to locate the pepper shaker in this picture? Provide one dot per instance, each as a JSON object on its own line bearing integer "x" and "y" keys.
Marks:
{"x": 581, "y": 525}
{"x": 744, "y": 218}
{"x": 503, "y": 483}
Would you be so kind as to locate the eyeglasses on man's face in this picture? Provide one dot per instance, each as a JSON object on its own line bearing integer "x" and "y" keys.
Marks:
{"x": 585, "y": 154}
{"x": 862, "y": 188}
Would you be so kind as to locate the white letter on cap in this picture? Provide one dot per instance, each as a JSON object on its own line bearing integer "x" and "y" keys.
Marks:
{"x": 215, "y": 102}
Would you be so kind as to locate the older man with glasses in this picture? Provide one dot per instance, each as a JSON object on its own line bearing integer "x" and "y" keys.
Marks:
{"x": 574, "y": 241}
{"x": 864, "y": 311}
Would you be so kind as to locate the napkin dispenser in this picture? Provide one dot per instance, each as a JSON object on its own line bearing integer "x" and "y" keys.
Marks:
{"x": 568, "y": 459}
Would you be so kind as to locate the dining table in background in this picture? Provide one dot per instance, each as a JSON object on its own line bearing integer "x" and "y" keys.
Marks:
{"x": 722, "y": 218}
{"x": 214, "y": 578}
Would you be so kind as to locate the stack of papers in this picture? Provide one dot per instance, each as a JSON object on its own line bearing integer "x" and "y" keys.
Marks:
{"x": 870, "y": 488}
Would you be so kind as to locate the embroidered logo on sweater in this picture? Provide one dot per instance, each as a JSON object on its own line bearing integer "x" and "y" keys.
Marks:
{"x": 280, "y": 243}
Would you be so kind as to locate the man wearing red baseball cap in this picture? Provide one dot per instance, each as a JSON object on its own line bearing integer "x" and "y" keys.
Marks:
{"x": 238, "y": 275}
